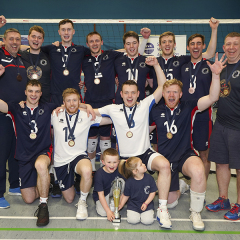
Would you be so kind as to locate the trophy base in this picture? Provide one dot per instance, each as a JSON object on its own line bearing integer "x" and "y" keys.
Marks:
{"x": 117, "y": 220}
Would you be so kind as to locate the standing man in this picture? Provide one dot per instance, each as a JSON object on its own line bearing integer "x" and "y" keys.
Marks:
{"x": 70, "y": 145}
{"x": 33, "y": 148}
{"x": 66, "y": 61}
{"x": 131, "y": 124}
{"x": 224, "y": 149}
{"x": 196, "y": 77}
{"x": 174, "y": 125}
{"x": 36, "y": 62}
{"x": 13, "y": 81}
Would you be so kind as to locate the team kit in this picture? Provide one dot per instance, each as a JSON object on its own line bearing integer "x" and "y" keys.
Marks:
{"x": 50, "y": 131}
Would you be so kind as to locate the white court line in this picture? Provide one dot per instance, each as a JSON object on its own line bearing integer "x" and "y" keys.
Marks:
{"x": 104, "y": 218}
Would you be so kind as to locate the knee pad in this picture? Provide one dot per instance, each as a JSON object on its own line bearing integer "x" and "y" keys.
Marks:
{"x": 92, "y": 145}
{"x": 197, "y": 201}
{"x": 104, "y": 144}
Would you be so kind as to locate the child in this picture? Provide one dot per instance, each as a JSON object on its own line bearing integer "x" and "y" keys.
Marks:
{"x": 140, "y": 190}
{"x": 102, "y": 183}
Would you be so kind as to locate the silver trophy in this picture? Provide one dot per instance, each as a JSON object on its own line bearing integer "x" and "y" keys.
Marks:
{"x": 117, "y": 187}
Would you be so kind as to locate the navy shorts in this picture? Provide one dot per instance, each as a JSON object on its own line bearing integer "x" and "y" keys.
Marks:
{"x": 105, "y": 130}
{"x": 65, "y": 174}
{"x": 153, "y": 136}
{"x": 224, "y": 147}
{"x": 28, "y": 172}
{"x": 201, "y": 134}
{"x": 176, "y": 167}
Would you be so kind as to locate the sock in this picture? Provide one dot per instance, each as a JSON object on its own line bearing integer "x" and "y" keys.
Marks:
{"x": 162, "y": 202}
{"x": 197, "y": 201}
{"x": 84, "y": 196}
{"x": 93, "y": 164}
{"x": 43, "y": 200}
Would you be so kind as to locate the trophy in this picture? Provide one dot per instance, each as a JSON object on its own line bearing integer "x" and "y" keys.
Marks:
{"x": 116, "y": 198}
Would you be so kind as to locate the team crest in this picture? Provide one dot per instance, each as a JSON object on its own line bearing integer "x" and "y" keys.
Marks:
{"x": 146, "y": 189}
{"x": 43, "y": 62}
{"x": 176, "y": 63}
{"x": 142, "y": 64}
{"x": 41, "y": 111}
{"x": 123, "y": 64}
{"x": 105, "y": 57}
{"x": 236, "y": 74}
{"x": 73, "y": 50}
{"x": 205, "y": 71}
{"x": 186, "y": 69}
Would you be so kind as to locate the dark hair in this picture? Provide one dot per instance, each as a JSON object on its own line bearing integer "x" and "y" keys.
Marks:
{"x": 194, "y": 36}
{"x": 110, "y": 152}
{"x": 130, "y": 34}
{"x": 93, "y": 33}
{"x": 64, "y": 21}
{"x": 126, "y": 167}
{"x": 37, "y": 29}
{"x": 130, "y": 82}
{"x": 33, "y": 82}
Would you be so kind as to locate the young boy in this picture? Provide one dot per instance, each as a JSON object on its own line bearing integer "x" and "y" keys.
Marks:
{"x": 103, "y": 181}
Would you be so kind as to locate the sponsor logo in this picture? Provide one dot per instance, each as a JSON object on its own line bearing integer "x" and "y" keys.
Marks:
{"x": 149, "y": 48}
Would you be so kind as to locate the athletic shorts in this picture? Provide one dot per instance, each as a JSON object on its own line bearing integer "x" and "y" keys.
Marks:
{"x": 65, "y": 173}
{"x": 176, "y": 167}
{"x": 201, "y": 134}
{"x": 153, "y": 136}
{"x": 105, "y": 130}
{"x": 28, "y": 172}
{"x": 225, "y": 146}
{"x": 147, "y": 158}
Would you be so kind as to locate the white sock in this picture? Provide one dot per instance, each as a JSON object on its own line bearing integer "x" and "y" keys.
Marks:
{"x": 84, "y": 196}
{"x": 197, "y": 201}
{"x": 93, "y": 161}
{"x": 162, "y": 202}
{"x": 43, "y": 200}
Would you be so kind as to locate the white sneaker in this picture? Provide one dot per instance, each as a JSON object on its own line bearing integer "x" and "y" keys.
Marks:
{"x": 163, "y": 217}
{"x": 82, "y": 213}
{"x": 183, "y": 186}
{"x": 196, "y": 219}
{"x": 112, "y": 207}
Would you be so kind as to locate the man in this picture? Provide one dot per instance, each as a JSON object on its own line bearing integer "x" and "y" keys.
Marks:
{"x": 66, "y": 61}
{"x": 196, "y": 77}
{"x": 172, "y": 64}
{"x": 13, "y": 80}
{"x": 36, "y": 62}
{"x": 174, "y": 124}
{"x": 70, "y": 142}
{"x": 99, "y": 79}
{"x": 131, "y": 66}
{"x": 224, "y": 149}
{"x": 131, "y": 124}
{"x": 33, "y": 148}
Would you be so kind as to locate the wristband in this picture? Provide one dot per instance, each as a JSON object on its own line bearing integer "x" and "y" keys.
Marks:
{"x": 145, "y": 204}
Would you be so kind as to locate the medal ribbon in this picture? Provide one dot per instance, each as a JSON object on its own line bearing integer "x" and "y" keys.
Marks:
{"x": 63, "y": 54}
{"x": 31, "y": 60}
{"x": 96, "y": 69}
{"x": 15, "y": 63}
{"x": 227, "y": 78}
{"x": 71, "y": 130}
{"x": 173, "y": 117}
{"x": 129, "y": 121}
{"x": 195, "y": 74}
{"x": 133, "y": 70}
{"x": 162, "y": 64}
{"x": 29, "y": 118}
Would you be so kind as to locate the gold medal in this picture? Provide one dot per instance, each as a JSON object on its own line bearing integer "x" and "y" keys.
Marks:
{"x": 96, "y": 80}
{"x": 71, "y": 143}
{"x": 34, "y": 73}
{"x": 19, "y": 77}
{"x": 169, "y": 135}
{"x": 65, "y": 72}
{"x": 33, "y": 136}
{"x": 129, "y": 134}
{"x": 34, "y": 76}
{"x": 226, "y": 92}
{"x": 191, "y": 90}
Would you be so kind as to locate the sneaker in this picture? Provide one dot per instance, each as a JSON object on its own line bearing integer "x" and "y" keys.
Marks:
{"x": 4, "y": 203}
{"x": 234, "y": 213}
{"x": 183, "y": 186}
{"x": 15, "y": 191}
{"x": 82, "y": 213}
{"x": 163, "y": 217}
{"x": 56, "y": 191}
{"x": 42, "y": 214}
{"x": 220, "y": 204}
{"x": 196, "y": 219}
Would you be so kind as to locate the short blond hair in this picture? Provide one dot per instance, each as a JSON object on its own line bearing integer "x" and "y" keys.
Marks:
{"x": 167, "y": 34}
{"x": 69, "y": 91}
{"x": 110, "y": 152}
{"x": 171, "y": 82}
{"x": 10, "y": 30}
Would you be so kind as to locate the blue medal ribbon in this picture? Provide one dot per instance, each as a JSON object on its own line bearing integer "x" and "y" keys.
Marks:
{"x": 71, "y": 130}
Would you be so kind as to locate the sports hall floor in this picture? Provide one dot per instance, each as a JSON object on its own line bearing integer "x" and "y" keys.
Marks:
{"x": 18, "y": 221}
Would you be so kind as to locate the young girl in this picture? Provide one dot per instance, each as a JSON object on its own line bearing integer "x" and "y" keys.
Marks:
{"x": 140, "y": 189}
